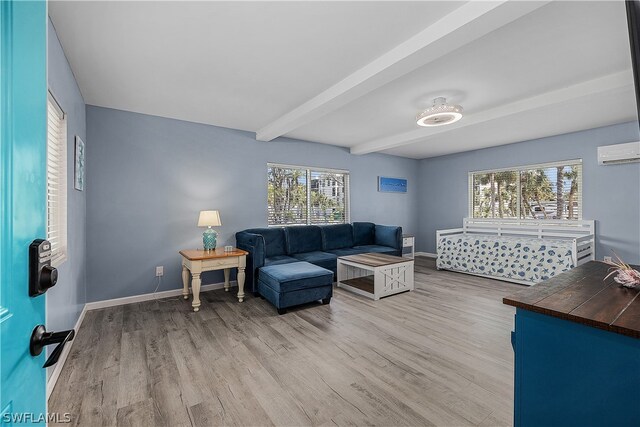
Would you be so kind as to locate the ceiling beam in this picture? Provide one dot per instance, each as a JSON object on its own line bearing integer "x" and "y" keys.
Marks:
{"x": 610, "y": 82}
{"x": 458, "y": 28}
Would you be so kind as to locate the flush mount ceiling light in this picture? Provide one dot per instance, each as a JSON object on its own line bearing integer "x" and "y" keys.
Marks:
{"x": 439, "y": 114}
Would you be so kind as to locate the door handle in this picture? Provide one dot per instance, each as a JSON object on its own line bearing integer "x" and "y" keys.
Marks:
{"x": 40, "y": 338}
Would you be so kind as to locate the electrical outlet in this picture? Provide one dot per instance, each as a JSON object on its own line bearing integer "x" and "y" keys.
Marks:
{"x": 608, "y": 259}
{"x": 159, "y": 271}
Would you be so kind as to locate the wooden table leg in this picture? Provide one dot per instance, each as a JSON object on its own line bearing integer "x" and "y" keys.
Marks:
{"x": 241, "y": 284}
{"x": 227, "y": 273}
{"x": 185, "y": 282}
{"x": 242, "y": 262}
{"x": 195, "y": 286}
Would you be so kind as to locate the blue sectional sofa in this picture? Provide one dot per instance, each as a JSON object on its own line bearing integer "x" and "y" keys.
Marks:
{"x": 320, "y": 245}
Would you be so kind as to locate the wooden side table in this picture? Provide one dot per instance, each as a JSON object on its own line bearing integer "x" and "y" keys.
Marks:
{"x": 197, "y": 261}
{"x": 409, "y": 241}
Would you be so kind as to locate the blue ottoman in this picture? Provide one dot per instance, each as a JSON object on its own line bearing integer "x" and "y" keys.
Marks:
{"x": 286, "y": 285}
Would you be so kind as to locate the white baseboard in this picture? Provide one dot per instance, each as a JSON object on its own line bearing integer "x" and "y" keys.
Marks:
{"x": 427, "y": 254}
{"x": 51, "y": 382}
{"x": 148, "y": 297}
{"x": 57, "y": 369}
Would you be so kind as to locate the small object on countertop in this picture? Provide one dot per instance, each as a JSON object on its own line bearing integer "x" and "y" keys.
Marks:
{"x": 625, "y": 274}
{"x": 228, "y": 248}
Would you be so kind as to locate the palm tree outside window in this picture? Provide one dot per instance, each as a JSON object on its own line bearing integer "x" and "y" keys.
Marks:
{"x": 544, "y": 191}
{"x": 299, "y": 195}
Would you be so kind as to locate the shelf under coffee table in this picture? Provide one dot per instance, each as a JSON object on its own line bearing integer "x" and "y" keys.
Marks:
{"x": 375, "y": 275}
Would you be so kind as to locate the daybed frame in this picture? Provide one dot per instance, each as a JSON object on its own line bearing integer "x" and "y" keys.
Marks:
{"x": 581, "y": 233}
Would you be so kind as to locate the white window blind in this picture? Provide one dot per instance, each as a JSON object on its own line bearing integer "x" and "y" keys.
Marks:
{"x": 302, "y": 195}
{"x": 328, "y": 197}
{"x": 56, "y": 181}
{"x": 542, "y": 191}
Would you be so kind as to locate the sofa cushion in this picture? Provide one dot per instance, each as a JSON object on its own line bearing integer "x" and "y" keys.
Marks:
{"x": 346, "y": 251}
{"x": 303, "y": 238}
{"x": 337, "y": 236}
{"x": 279, "y": 259}
{"x": 293, "y": 276}
{"x": 274, "y": 240}
{"x": 386, "y": 235}
{"x": 322, "y": 259}
{"x": 377, "y": 249}
{"x": 363, "y": 233}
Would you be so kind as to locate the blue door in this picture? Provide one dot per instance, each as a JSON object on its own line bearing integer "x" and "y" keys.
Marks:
{"x": 23, "y": 127}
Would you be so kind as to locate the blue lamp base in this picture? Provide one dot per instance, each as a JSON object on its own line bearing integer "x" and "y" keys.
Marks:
{"x": 209, "y": 239}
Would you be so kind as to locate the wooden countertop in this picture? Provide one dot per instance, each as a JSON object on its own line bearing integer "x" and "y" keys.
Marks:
{"x": 200, "y": 254}
{"x": 581, "y": 295}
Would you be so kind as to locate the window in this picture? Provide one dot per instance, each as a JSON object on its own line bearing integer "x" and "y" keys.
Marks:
{"x": 546, "y": 191}
{"x": 56, "y": 181}
{"x": 300, "y": 195}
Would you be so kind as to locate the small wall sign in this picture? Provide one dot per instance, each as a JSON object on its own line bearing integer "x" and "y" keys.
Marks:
{"x": 78, "y": 183}
{"x": 392, "y": 185}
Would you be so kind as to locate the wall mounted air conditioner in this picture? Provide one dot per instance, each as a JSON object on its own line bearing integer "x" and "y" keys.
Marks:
{"x": 619, "y": 153}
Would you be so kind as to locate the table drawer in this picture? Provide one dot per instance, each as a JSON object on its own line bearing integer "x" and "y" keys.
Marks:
{"x": 407, "y": 241}
{"x": 219, "y": 263}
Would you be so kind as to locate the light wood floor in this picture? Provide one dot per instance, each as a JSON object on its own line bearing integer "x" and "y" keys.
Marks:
{"x": 440, "y": 355}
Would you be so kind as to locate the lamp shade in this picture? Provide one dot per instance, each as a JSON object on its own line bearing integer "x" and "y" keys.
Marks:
{"x": 209, "y": 219}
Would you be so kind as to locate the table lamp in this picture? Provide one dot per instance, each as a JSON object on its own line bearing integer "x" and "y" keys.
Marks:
{"x": 209, "y": 219}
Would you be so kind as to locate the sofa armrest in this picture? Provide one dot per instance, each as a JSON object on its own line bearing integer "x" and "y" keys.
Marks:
{"x": 254, "y": 244}
{"x": 389, "y": 235}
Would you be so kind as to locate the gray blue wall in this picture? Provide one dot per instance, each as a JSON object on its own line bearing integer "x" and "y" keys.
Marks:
{"x": 611, "y": 194}
{"x": 148, "y": 178}
{"x": 66, "y": 300}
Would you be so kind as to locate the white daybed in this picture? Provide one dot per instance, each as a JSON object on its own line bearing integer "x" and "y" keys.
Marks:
{"x": 520, "y": 251}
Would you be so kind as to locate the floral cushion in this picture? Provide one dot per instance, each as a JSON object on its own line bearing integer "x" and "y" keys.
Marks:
{"x": 520, "y": 258}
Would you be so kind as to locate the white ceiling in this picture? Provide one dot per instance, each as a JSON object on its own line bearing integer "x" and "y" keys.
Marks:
{"x": 356, "y": 73}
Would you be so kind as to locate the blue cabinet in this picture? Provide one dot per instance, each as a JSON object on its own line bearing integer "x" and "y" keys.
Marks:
{"x": 577, "y": 351}
{"x": 572, "y": 374}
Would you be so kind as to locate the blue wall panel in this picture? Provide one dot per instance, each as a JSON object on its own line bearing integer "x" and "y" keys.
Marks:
{"x": 611, "y": 193}
{"x": 66, "y": 300}
{"x": 148, "y": 177}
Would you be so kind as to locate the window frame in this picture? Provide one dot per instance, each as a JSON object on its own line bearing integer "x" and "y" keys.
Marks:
{"x": 524, "y": 168}
{"x": 59, "y": 248}
{"x": 308, "y": 170}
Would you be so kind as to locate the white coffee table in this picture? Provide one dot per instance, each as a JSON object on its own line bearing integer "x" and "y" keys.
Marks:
{"x": 375, "y": 275}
